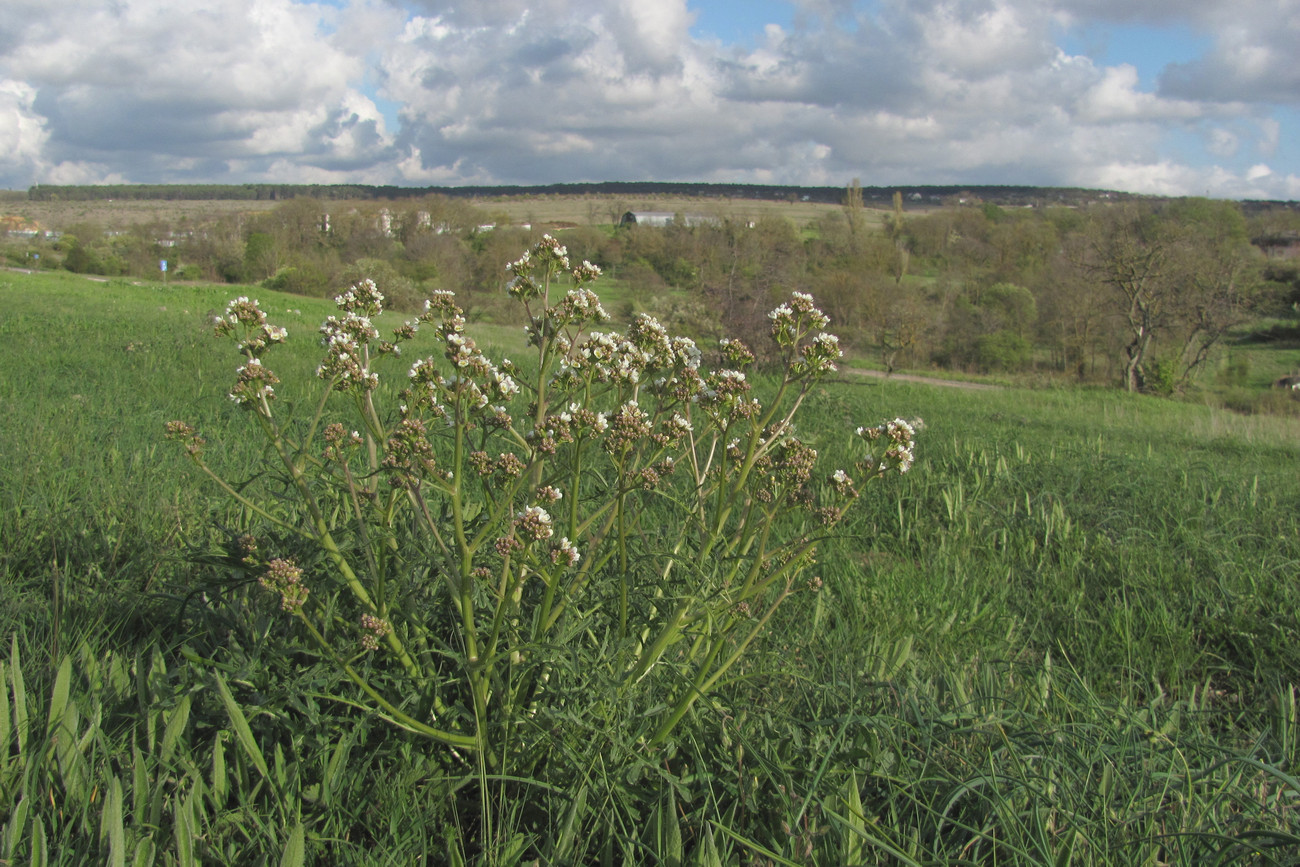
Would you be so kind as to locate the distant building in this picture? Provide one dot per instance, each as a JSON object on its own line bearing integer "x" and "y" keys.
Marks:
{"x": 663, "y": 218}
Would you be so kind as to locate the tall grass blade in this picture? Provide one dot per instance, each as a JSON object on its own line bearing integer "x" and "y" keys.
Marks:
{"x": 16, "y": 827}
{"x": 220, "y": 784}
{"x": 145, "y": 853}
{"x": 110, "y": 825}
{"x": 572, "y": 821}
{"x": 185, "y": 831}
{"x": 767, "y": 853}
{"x": 6, "y": 721}
{"x": 334, "y": 772}
{"x": 59, "y": 697}
{"x": 670, "y": 832}
{"x": 176, "y": 722}
{"x": 707, "y": 855}
{"x": 295, "y": 849}
{"x": 863, "y": 833}
{"x": 20, "y": 696}
{"x": 39, "y": 854}
{"x": 240, "y": 724}
{"x": 856, "y": 823}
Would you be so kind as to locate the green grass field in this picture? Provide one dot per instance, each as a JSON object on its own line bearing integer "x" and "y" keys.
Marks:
{"x": 1071, "y": 635}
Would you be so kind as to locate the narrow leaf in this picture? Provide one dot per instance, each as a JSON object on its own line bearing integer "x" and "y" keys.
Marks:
{"x": 59, "y": 696}
{"x": 219, "y": 785}
{"x": 707, "y": 855}
{"x": 295, "y": 850}
{"x": 672, "y": 841}
{"x": 145, "y": 853}
{"x": 16, "y": 826}
{"x": 240, "y": 724}
{"x": 39, "y": 848}
{"x": 184, "y": 829}
{"x": 6, "y": 721}
{"x": 20, "y": 696}
{"x": 176, "y": 722}
{"x": 110, "y": 825}
{"x": 857, "y": 826}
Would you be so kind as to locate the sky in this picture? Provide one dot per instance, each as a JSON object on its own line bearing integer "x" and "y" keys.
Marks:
{"x": 1170, "y": 97}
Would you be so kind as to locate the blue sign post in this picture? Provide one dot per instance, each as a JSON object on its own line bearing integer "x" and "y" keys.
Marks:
{"x": 162, "y": 266}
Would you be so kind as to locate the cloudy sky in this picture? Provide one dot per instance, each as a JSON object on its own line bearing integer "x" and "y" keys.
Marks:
{"x": 1186, "y": 97}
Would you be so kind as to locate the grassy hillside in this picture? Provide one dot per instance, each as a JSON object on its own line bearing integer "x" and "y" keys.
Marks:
{"x": 1070, "y": 635}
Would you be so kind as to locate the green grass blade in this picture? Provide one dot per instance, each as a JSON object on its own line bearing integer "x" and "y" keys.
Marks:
{"x": 176, "y": 722}
{"x": 856, "y": 822}
{"x": 245, "y": 734}
{"x": 707, "y": 855}
{"x": 184, "y": 831}
{"x": 572, "y": 821}
{"x": 40, "y": 855}
{"x": 145, "y": 853}
{"x": 220, "y": 784}
{"x": 295, "y": 849}
{"x": 6, "y": 720}
{"x": 59, "y": 697}
{"x": 20, "y": 696}
{"x": 16, "y": 827}
{"x": 110, "y": 825}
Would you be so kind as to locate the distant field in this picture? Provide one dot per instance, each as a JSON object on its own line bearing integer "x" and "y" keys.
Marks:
{"x": 596, "y": 210}
{"x": 53, "y": 215}
{"x": 576, "y": 210}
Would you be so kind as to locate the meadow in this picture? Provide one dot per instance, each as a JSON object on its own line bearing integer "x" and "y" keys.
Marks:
{"x": 1070, "y": 635}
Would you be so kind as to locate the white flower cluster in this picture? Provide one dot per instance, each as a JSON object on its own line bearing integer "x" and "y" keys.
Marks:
{"x": 892, "y": 443}
{"x": 795, "y": 318}
{"x": 581, "y": 305}
{"x": 257, "y": 332}
{"x": 821, "y": 353}
{"x": 345, "y": 359}
{"x": 534, "y": 523}
{"x": 364, "y": 298}
{"x": 565, "y": 552}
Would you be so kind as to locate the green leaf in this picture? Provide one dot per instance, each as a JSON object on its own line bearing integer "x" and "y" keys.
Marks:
{"x": 240, "y": 724}
{"x": 707, "y": 855}
{"x": 110, "y": 825}
{"x": 856, "y": 823}
{"x": 20, "y": 696}
{"x": 338, "y": 763}
{"x": 39, "y": 851}
{"x": 176, "y": 722}
{"x": 295, "y": 849}
{"x": 59, "y": 697}
{"x": 219, "y": 784}
{"x": 16, "y": 825}
{"x": 145, "y": 853}
{"x": 6, "y": 721}
{"x": 670, "y": 832}
{"x": 185, "y": 831}
{"x": 568, "y": 832}
{"x": 139, "y": 786}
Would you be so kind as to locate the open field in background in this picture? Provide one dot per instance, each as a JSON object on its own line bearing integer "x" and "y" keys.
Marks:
{"x": 1070, "y": 635}
{"x": 56, "y": 215}
{"x": 576, "y": 210}
{"x": 604, "y": 210}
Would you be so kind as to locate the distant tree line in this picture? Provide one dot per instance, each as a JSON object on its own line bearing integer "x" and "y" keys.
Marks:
{"x": 927, "y": 195}
{"x": 1140, "y": 293}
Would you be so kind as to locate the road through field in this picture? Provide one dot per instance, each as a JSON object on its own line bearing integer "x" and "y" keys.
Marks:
{"x": 924, "y": 380}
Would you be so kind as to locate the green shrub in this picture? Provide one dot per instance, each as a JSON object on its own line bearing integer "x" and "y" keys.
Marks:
{"x": 1003, "y": 350}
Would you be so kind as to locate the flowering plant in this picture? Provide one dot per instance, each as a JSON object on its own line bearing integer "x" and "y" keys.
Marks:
{"x": 613, "y": 500}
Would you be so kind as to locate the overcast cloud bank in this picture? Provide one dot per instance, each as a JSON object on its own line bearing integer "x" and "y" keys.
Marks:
{"x": 544, "y": 91}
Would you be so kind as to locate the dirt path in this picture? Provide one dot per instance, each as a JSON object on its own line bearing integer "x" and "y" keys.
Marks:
{"x": 923, "y": 380}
